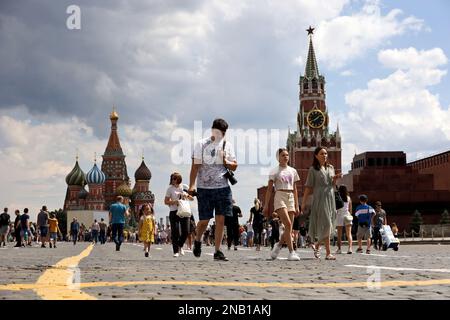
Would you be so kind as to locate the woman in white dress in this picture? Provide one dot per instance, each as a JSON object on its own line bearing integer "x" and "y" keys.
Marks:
{"x": 344, "y": 219}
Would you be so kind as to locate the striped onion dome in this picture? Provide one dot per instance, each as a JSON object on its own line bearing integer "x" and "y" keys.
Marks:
{"x": 124, "y": 190}
{"x": 76, "y": 177}
{"x": 95, "y": 176}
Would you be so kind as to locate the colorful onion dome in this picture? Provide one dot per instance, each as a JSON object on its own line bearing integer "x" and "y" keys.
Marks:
{"x": 124, "y": 190}
{"x": 83, "y": 194}
{"x": 95, "y": 176}
{"x": 142, "y": 173}
{"x": 76, "y": 177}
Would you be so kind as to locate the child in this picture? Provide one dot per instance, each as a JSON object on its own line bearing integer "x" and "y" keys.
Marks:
{"x": 146, "y": 228}
{"x": 54, "y": 229}
{"x": 364, "y": 214}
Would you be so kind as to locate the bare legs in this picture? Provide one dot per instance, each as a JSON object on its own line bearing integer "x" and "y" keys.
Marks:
{"x": 286, "y": 218}
{"x": 348, "y": 231}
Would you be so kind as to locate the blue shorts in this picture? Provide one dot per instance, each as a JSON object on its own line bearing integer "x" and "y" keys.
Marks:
{"x": 44, "y": 231}
{"x": 218, "y": 201}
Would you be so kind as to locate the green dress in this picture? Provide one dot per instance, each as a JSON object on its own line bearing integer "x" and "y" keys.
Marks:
{"x": 323, "y": 208}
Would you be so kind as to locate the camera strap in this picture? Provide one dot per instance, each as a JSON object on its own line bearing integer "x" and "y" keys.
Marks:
{"x": 223, "y": 151}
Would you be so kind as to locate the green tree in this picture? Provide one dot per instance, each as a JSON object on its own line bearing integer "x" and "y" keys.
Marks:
{"x": 416, "y": 221}
{"x": 445, "y": 218}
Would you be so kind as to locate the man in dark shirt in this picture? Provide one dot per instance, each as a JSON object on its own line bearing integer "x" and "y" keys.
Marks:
{"x": 25, "y": 227}
{"x": 4, "y": 226}
{"x": 74, "y": 230}
{"x": 42, "y": 223}
{"x": 232, "y": 224}
{"x": 17, "y": 230}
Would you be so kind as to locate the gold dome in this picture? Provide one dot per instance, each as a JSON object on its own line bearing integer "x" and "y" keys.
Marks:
{"x": 114, "y": 115}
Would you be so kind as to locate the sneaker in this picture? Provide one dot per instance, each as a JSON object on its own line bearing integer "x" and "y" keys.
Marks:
{"x": 54, "y": 246}
{"x": 146, "y": 254}
{"x": 182, "y": 251}
{"x": 197, "y": 248}
{"x": 275, "y": 251}
{"x": 338, "y": 251}
{"x": 43, "y": 246}
{"x": 176, "y": 255}
{"x": 117, "y": 247}
{"x": 349, "y": 252}
{"x": 50, "y": 245}
{"x": 293, "y": 256}
{"x": 235, "y": 248}
{"x": 219, "y": 256}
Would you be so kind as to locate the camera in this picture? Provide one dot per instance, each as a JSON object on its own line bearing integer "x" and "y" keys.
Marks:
{"x": 192, "y": 193}
{"x": 230, "y": 176}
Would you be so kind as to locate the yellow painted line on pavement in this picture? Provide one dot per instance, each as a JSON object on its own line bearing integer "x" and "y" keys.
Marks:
{"x": 269, "y": 284}
{"x": 60, "y": 291}
{"x": 56, "y": 282}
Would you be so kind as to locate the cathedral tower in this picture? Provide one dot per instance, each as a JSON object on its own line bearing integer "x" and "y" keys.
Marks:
{"x": 113, "y": 164}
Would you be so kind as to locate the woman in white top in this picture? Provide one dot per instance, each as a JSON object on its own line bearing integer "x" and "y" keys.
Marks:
{"x": 344, "y": 219}
{"x": 179, "y": 225}
{"x": 283, "y": 178}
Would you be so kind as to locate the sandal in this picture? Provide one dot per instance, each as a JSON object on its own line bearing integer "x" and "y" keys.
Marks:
{"x": 367, "y": 251}
{"x": 330, "y": 257}
{"x": 316, "y": 252}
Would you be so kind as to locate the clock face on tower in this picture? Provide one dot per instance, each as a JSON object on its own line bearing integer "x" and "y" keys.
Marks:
{"x": 315, "y": 118}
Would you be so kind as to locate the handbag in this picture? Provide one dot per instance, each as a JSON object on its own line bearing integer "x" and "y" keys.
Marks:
{"x": 338, "y": 200}
{"x": 184, "y": 209}
{"x": 348, "y": 219}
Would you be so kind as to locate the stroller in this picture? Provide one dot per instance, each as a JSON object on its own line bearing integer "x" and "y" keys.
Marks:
{"x": 388, "y": 239}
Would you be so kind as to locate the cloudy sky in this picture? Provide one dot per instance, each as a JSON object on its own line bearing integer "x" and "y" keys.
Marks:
{"x": 168, "y": 63}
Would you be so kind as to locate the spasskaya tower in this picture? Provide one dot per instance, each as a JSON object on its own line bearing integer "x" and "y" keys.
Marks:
{"x": 312, "y": 122}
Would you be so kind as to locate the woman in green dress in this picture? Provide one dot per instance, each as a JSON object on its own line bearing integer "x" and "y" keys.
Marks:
{"x": 321, "y": 182}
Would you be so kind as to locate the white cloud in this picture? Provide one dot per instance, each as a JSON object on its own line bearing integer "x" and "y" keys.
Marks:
{"x": 344, "y": 38}
{"x": 347, "y": 73}
{"x": 411, "y": 58}
{"x": 399, "y": 112}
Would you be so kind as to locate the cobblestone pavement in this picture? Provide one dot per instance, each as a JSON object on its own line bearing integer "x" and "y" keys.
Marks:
{"x": 414, "y": 272}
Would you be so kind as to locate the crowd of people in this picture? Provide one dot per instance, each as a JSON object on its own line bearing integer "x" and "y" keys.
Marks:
{"x": 328, "y": 212}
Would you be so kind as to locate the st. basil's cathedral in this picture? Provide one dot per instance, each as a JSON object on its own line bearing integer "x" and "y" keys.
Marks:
{"x": 105, "y": 184}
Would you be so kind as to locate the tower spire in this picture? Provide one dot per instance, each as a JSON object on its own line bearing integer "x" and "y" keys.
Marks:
{"x": 113, "y": 142}
{"x": 311, "y": 68}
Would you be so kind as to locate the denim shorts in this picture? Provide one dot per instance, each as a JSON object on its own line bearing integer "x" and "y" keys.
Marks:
{"x": 54, "y": 235}
{"x": 218, "y": 201}
{"x": 44, "y": 231}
